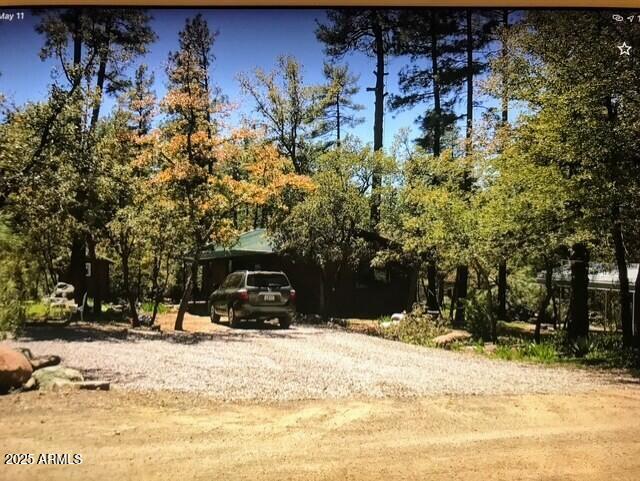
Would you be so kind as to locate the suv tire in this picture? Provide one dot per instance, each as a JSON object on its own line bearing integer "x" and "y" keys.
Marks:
{"x": 284, "y": 322}
{"x": 231, "y": 316}
{"x": 215, "y": 318}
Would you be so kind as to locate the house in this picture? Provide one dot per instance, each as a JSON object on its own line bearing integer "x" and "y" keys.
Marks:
{"x": 362, "y": 291}
{"x": 91, "y": 276}
{"x": 604, "y": 285}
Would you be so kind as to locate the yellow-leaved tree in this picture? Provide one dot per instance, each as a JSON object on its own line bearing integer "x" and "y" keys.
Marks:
{"x": 210, "y": 171}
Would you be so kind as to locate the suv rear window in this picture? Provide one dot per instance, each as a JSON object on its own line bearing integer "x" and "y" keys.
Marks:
{"x": 267, "y": 280}
{"x": 232, "y": 281}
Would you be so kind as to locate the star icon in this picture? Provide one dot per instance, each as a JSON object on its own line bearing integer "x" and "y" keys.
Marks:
{"x": 624, "y": 49}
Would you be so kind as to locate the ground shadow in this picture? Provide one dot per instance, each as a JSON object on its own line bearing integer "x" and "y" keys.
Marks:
{"x": 89, "y": 332}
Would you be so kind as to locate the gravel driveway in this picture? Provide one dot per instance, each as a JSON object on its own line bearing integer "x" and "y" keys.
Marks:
{"x": 299, "y": 363}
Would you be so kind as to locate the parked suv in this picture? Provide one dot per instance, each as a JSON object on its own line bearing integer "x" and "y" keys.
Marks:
{"x": 256, "y": 295}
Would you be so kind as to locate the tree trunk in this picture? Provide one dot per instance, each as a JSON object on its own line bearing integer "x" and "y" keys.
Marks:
{"x": 579, "y": 301}
{"x": 502, "y": 266}
{"x": 126, "y": 281}
{"x": 93, "y": 282}
{"x": 76, "y": 272}
{"x": 623, "y": 278}
{"x": 502, "y": 290}
{"x": 338, "y": 120}
{"x": 544, "y": 302}
{"x": 636, "y": 312}
{"x": 555, "y": 309}
{"x": 505, "y": 96}
{"x": 432, "y": 268}
{"x": 77, "y": 46}
{"x": 378, "y": 117}
{"x": 437, "y": 107}
{"x": 454, "y": 300}
{"x": 327, "y": 294}
{"x": 102, "y": 71}
{"x": 441, "y": 287}
{"x": 412, "y": 293}
{"x": 462, "y": 273}
{"x": 485, "y": 283}
{"x": 462, "y": 281}
{"x": 469, "y": 126}
{"x": 155, "y": 285}
{"x": 432, "y": 288}
{"x": 186, "y": 295}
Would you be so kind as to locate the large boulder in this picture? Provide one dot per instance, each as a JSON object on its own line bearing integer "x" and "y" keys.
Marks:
{"x": 38, "y": 362}
{"x": 53, "y": 377}
{"x": 15, "y": 369}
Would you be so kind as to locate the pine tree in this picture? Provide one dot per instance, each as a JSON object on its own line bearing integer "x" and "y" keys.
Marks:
{"x": 337, "y": 109}
{"x": 369, "y": 31}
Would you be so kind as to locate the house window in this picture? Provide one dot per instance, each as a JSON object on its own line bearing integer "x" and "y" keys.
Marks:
{"x": 381, "y": 275}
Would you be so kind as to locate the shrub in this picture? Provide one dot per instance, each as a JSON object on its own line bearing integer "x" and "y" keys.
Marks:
{"x": 604, "y": 349}
{"x": 15, "y": 276}
{"x": 478, "y": 315}
{"x": 417, "y": 327}
{"x": 524, "y": 295}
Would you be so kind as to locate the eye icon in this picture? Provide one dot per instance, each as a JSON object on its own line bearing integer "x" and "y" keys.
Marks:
{"x": 618, "y": 18}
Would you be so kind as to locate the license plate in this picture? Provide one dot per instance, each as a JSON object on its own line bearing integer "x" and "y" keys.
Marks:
{"x": 269, "y": 297}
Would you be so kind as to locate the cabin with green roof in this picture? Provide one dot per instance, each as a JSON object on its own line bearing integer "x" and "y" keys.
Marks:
{"x": 363, "y": 291}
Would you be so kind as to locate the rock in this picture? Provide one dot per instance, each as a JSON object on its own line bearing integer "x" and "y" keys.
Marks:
{"x": 30, "y": 384}
{"x": 454, "y": 336}
{"x": 94, "y": 385}
{"x": 15, "y": 369}
{"x": 62, "y": 385}
{"x": 63, "y": 290}
{"x": 56, "y": 376}
{"x": 38, "y": 362}
{"x": 44, "y": 361}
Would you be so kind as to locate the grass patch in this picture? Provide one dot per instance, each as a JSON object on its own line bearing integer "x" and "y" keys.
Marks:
{"x": 545, "y": 353}
{"x": 37, "y": 311}
{"x": 604, "y": 350}
{"x": 148, "y": 307}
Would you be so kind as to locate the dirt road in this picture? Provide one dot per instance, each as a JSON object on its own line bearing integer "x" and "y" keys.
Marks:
{"x": 123, "y": 435}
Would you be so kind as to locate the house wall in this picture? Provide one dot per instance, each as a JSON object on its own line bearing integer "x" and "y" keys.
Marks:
{"x": 360, "y": 292}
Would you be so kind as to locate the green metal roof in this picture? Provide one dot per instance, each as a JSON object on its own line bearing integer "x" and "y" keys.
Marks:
{"x": 249, "y": 243}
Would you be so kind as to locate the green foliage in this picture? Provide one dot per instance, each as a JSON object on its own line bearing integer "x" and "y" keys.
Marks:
{"x": 326, "y": 227}
{"x": 417, "y": 327}
{"x": 523, "y": 296}
{"x": 600, "y": 349}
{"x": 16, "y": 275}
{"x": 287, "y": 108}
{"x": 608, "y": 350}
{"x": 478, "y": 315}
{"x": 335, "y": 109}
{"x": 545, "y": 353}
{"x": 147, "y": 307}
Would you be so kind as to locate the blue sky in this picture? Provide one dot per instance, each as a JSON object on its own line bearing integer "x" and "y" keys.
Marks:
{"x": 247, "y": 39}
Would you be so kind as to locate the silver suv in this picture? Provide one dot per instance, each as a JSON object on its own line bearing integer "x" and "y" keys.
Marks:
{"x": 255, "y": 295}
